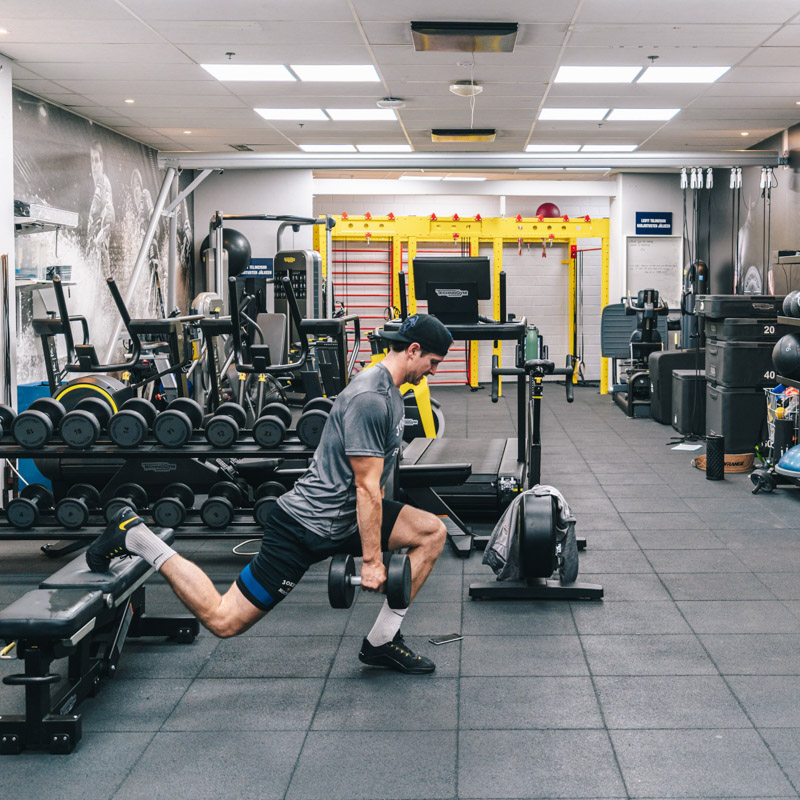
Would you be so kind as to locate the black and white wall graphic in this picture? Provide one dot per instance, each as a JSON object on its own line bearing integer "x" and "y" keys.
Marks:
{"x": 66, "y": 162}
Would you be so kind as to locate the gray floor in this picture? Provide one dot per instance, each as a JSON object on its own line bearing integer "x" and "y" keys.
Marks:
{"x": 683, "y": 682}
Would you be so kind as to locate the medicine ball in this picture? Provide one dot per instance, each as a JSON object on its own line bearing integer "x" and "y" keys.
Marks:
{"x": 794, "y": 304}
{"x": 548, "y": 210}
{"x": 236, "y": 246}
{"x": 787, "y": 304}
{"x": 786, "y": 356}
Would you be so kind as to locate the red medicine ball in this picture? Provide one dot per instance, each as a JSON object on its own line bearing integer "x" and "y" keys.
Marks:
{"x": 548, "y": 210}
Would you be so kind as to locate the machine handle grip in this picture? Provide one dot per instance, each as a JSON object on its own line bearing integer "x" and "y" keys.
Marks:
{"x": 568, "y": 372}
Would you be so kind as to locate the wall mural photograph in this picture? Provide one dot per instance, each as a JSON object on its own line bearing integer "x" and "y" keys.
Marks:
{"x": 66, "y": 162}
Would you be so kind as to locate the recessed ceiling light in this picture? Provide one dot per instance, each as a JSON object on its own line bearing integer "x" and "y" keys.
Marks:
{"x": 420, "y": 178}
{"x": 327, "y": 148}
{"x": 383, "y": 148}
{"x": 129, "y": 100}
{"x": 552, "y": 148}
{"x": 609, "y": 148}
{"x": 463, "y": 178}
{"x": 797, "y": 102}
{"x": 682, "y": 74}
{"x": 3, "y": 31}
{"x": 187, "y": 132}
{"x": 642, "y": 114}
{"x": 249, "y": 72}
{"x": 391, "y": 102}
{"x": 356, "y": 114}
{"x": 578, "y": 114}
{"x": 596, "y": 74}
{"x": 745, "y": 133}
{"x": 335, "y": 72}
{"x": 301, "y": 114}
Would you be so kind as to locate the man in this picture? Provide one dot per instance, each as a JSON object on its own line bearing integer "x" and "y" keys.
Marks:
{"x": 336, "y": 507}
{"x": 101, "y": 211}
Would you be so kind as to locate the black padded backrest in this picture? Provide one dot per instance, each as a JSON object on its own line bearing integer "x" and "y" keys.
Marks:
{"x": 49, "y": 614}
{"x": 616, "y": 328}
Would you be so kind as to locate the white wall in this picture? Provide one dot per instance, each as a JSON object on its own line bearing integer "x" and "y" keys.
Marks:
{"x": 7, "y": 222}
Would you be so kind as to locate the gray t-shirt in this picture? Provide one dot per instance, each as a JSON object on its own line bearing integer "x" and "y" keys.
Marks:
{"x": 366, "y": 420}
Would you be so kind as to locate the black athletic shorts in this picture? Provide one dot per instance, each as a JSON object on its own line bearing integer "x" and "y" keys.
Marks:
{"x": 288, "y": 549}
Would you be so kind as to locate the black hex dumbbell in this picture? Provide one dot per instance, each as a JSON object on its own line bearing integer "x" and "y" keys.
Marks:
{"x": 222, "y": 430}
{"x": 23, "y": 511}
{"x": 219, "y": 508}
{"x": 169, "y": 511}
{"x": 127, "y": 494}
{"x": 35, "y": 427}
{"x": 265, "y": 496}
{"x": 129, "y": 426}
{"x": 310, "y": 425}
{"x": 7, "y": 417}
{"x": 82, "y": 426}
{"x": 342, "y": 580}
{"x": 74, "y": 510}
{"x": 174, "y": 426}
{"x": 270, "y": 428}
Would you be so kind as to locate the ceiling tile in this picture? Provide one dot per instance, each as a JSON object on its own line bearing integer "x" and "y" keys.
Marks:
{"x": 214, "y": 11}
{"x": 62, "y": 9}
{"x": 95, "y": 53}
{"x": 690, "y": 12}
{"x": 124, "y": 71}
{"x": 473, "y": 10}
{"x": 175, "y": 101}
{"x": 647, "y": 36}
{"x": 774, "y": 57}
{"x": 445, "y": 74}
{"x": 77, "y": 31}
{"x": 634, "y": 55}
{"x": 788, "y": 36}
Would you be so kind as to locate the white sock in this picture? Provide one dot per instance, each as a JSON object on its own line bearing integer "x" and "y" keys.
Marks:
{"x": 387, "y": 625}
{"x": 141, "y": 541}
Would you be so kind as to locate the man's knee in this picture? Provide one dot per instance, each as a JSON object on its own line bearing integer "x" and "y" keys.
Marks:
{"x": 226, "y": 628}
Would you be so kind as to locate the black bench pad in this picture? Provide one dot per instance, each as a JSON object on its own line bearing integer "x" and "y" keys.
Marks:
{"x": 49, "y": 614}
{"x": 124, "y": 572}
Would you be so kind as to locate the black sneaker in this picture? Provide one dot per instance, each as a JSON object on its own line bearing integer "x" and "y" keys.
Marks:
{"x": 111, "y": 542}
{"x": 395, "y": 655}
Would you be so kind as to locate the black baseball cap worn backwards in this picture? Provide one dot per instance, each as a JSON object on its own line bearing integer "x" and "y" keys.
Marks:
{"x": 424, "y": 329}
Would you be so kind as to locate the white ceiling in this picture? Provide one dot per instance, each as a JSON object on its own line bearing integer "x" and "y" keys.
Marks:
{"x": 90, "y": 55}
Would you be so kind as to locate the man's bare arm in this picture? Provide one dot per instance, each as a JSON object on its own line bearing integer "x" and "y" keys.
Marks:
{"x": 369, "y": 513}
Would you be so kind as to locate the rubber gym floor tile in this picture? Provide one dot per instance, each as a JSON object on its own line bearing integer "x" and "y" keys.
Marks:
{"x": 624, "y": 561}
{"x": 210, "y": 766}
{"x": 582, "y": 490}
{"x": 650, "y": 505}
{"x": 693, "y": 561}
{"x": 306, "y": 619}
{"x": 272, "y": 657}
{"x": 537, "y": 764}
{"x": 631, "y": 586}
{"x": 716, "y": 586}
{"x": 647, "y": 654}
{"x": 388, "y": 701}
{"x": 619, "y": 539}
{"x": 363, "y": 766}
{"x": 769, "y": 559}
{"x": 517, "y": 618}
{"x": 754, "y": 521}
{"x": 784, "y": 540}
{"x": 669, "y": 701}
{"x": 600, "y": 522}
{"x": 754, "y": 653}
{"x": 528, "y": 703}
{"x": 692, "y": 763}
{"x": 785, "y": 586}
{"x": 133, "y": 705}
{"x": 425, "y": 619}
{"x": 635, "y": 520}
{"x": 92, "y": 772}
{"x": 628, "y": 617}
{"x": 160, "y": 658}
{"x": 440, "y": 588}
{"x": 523, "y": 655}
{"x": 691, "y": 539}
{"x": 733, "y": 616}
{"x": 764, "y": 698}
{"x": 793, "y": 606}
{"x": 247, "y": 704}
{"x": 589, "y": 505}
{"x": 447, "y": 658}
{"x": 784, "y": 743}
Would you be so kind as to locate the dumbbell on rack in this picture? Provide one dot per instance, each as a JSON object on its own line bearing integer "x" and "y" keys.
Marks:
{"x": 174, "y": 426}
{"x": 7, "y": 417}
{"x": 270, "y": 428}
{"x": 169, "y": 511}
{"x": 35, "y": 427}
{"x": 72, "y": 512}
{"x": 129, "y": 426}
{"x": 82, "y": 426}
{"x": 312, "y": 420}
{"x": 342, "y": 580}
{"x": 222, "y": 430}
{"x": 23, "y": 511}
{"x": 219, "y": 508}
{"x": 128, "y": 494}
{"x": 265, "y": 496}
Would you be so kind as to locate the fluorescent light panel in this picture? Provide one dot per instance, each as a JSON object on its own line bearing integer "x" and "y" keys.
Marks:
{"x": 552, "y": 148}
{"x": 297, "y": 114}
{"x": 327, "y": 148}
{"x": 642, "y": 114}
{"x": 341, "y": 73}
{"x": 608, "y": 148}
{"x": 383, "y": 148}
{"x": 358, "y": 114}
{"x": 682, "y": 74}
{"x": 249, "y": 72}
{"x": 597, "y": 74}
{"x": 573, "y": 114}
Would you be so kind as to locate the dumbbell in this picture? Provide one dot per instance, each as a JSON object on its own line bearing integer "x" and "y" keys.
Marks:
{"x": 128, "y": 494}
{"x": 265, "y": 496}
{"x": 794, "y": 304}
{"x": 7, "y": 417}
{"x": 23, "y": 511}
{"x": 270, "y": 428}
{"x": 173, "y": 427}
{"x": 35, "y": 427}
{"x": 311, "y": 423}
{"x": 129, "y": 426}
{"x": 342, "y": 580}
{"x": 169, "y": 511}
{"x": 81, "y": 427}
{"x": 321, "y": 403}
{"x": 73, "y": 511}
{"x": 219, "y": 508}
{"x": 222, "y": 430}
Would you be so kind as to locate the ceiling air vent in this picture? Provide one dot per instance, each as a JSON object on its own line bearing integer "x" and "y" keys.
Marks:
{"x": 465, "y": 37}
{"x": 242, "y": 148}
{"x": 463, "y": 134}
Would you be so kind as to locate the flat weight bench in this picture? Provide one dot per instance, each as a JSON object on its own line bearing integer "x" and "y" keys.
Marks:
{"x": 86, "y": 617}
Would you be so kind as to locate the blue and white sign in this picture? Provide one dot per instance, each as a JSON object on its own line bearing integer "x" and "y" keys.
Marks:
{"x": 649, "y": 223}
{"x": 259, "y": 268}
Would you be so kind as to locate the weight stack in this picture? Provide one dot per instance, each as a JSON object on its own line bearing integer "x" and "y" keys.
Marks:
{"x": 688, "y": 401}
